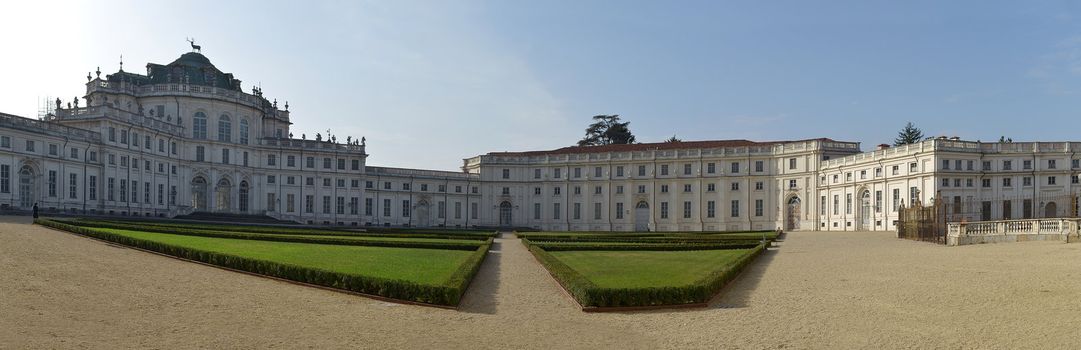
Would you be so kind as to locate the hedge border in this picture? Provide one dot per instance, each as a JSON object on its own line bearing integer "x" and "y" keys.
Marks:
{"x": 291, "y": 230}
{"x": 333, "y": 240}
{"x": 592, "y": 298}
{"x": 447, "y": 295}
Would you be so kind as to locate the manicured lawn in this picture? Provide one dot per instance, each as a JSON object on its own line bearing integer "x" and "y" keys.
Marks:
{"x": 424, "y": 266}
{"x": 645, "y": 269}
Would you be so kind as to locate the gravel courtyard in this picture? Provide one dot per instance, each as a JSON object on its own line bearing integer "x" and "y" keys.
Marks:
{"x": 814, "y": 290}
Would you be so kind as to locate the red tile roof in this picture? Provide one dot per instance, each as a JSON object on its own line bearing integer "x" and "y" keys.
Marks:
{"x": 653, "y": 146}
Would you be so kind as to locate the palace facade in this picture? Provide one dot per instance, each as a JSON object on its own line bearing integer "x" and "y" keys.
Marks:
{"x": 185, "y": 138}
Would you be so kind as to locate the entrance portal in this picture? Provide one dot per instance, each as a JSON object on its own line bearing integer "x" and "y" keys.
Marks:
{"x": 641, "y": 216}
{"x": 792, "y": 220}
{"x": 505, "y": 214}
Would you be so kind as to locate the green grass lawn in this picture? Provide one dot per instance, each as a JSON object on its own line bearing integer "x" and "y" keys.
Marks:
{"x": 645, "y": 269}
{"x": 424, "y": 266}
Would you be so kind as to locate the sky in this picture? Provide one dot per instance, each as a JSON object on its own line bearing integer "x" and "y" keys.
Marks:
{"x": 429, "y": 83}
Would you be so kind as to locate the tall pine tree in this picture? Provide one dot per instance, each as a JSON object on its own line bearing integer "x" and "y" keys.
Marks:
{"x": 607, "y": 130}
{"x": 909, "y": 134}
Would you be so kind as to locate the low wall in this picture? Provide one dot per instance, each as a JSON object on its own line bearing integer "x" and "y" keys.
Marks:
{"x": 981, "y": 239}
{"x": 1054, "y": 229}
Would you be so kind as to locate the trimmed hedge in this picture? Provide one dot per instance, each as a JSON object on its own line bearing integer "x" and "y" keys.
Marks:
{"x": 644, "y": 241}
{"x": 554, "y": 247}
{"x": 449, "y": 294}
{"x": 291, "y": 230}
{"x": 589, "y": 294}
{"x": 336, "y": 240}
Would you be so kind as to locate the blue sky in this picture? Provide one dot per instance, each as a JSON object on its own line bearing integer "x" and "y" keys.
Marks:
{"x": 430, "y": 83}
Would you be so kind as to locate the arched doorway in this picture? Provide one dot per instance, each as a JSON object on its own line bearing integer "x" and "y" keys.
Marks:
{"x": 26, "y": 187}
{"x": 641, "y": 216}
{"x": 242, "y": 201}
{"x": 423, "y": 219}
{"x": 792, "y": 217}
{"x": 865, "y": 211}
{"x": 198, "y": 193}
{"x": 223, "y": 195}
{"x": 1050, "y": 210}
{"x": 505, "y": 214}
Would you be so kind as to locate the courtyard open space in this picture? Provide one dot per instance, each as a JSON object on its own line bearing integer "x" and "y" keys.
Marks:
{"x": 812, "y": 290}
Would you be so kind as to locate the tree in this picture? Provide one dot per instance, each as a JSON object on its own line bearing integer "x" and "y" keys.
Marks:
{"x": 672, "y": 139}
{"x": 1004, "y": 139}
{"x": 607, "y": 130}
{"x": 909, "y": 134}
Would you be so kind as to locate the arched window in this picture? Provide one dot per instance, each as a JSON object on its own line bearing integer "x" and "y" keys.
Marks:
{"x": 243, "y": 131}
{"x": 225, "y": 129}
{"x": 198, "y": 126}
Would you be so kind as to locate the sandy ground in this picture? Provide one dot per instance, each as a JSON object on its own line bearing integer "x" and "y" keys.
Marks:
{"x": 816, "y": 290}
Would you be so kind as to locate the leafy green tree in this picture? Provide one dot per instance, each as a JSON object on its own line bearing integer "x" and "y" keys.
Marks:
{"x": 607, "y": 130}
{"x": 672, "y": 139}
{"x": 909, "y": 134}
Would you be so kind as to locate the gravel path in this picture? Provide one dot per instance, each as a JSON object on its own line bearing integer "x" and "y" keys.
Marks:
{"x": 817, "y": 290}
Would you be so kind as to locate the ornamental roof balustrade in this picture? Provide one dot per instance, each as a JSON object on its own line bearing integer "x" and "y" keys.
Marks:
{"x": 439, "y": 174}
{"x": 49, "y": 128}
{"x": 120, "y": 115}
{"x": 311, "y": 145}
{"x": 873, "y": 155}
{"x": 189, "y": 90}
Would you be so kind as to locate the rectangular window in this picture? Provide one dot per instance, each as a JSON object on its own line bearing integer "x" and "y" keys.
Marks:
{"x": 200, "y": 154}
{"x": 878, "y": 201}
{"x": 896, "y": 199}
{"x": 686, "y": 209}
{"x": 577, "y": 173}
{"x": 558, "y": 173}
{"x": 555, "y": 210}
{"x": 406, "y": 208}
{"x": 664, "y": 169}
{"x": 339, "y": 205}
{"x": 1027, "y": 165}
{"x": 597, "y": 211}
{"x": 711, "y": 209}
{"x": 735, "y": 208}
{"x": 686, "y": 169}
{"x": 72, "y": 189}
{"x": 735, "y": 167}
{"x": 759, "y": 166}
{"x": 619, "y": 171}
{"x": 161, "y": 194}
{"x": 52, "y": 183}
{"x": 792, "y": 163}
{"x": 367, "y": 206}
{"x": 5, "y": 178}
{"x": 536, "y": 211}
{"x": 758, "y": 207}
{"x": 619, "y": 210}
{"x": 711, "y": 168}
{"x": 326, "y": 163}
{"x": 1007, "y": 182}
{"x": 123, "y": 190}
{"x": 224, "y": 156}
{"x": 29, "y": 145}
{"x": 641, "y": 170}
{"x": 341, "y": 164}
{"x": 457, "y": 210}
{"x": 836, "y": 204}
{"x": 848, "y": 203}
{"x": 664, "y": 210}
{"x": 1050, "y": 180}
{"x": 577, "y": 211}
{"x": 386, "y": 207}
{"x": 110, "y": 187}
{"x": 597, "y": 173}
{"x": 1007, "y": 165}
{"x": 134, "y": 191}
{"x": 536, "y": 173}
{"x": 92, "y": 188}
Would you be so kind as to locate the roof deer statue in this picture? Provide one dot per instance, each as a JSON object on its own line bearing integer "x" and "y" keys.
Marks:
{"x": 195, "y": 48}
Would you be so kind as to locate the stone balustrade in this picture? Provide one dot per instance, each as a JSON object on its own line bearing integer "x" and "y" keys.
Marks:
{"x": 1062, "y": 229}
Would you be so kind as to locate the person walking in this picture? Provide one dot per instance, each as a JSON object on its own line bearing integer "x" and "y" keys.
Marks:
{"x": 35, "y": 210}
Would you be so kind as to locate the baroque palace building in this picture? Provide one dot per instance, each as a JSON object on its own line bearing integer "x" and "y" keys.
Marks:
{"x": 185, "y": 138}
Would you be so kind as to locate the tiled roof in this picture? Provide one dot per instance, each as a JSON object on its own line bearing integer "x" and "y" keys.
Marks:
{"x": 653, "y": 146}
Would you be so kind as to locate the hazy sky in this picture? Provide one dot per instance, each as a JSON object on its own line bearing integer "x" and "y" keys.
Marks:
{"x": 430, "y": 83}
